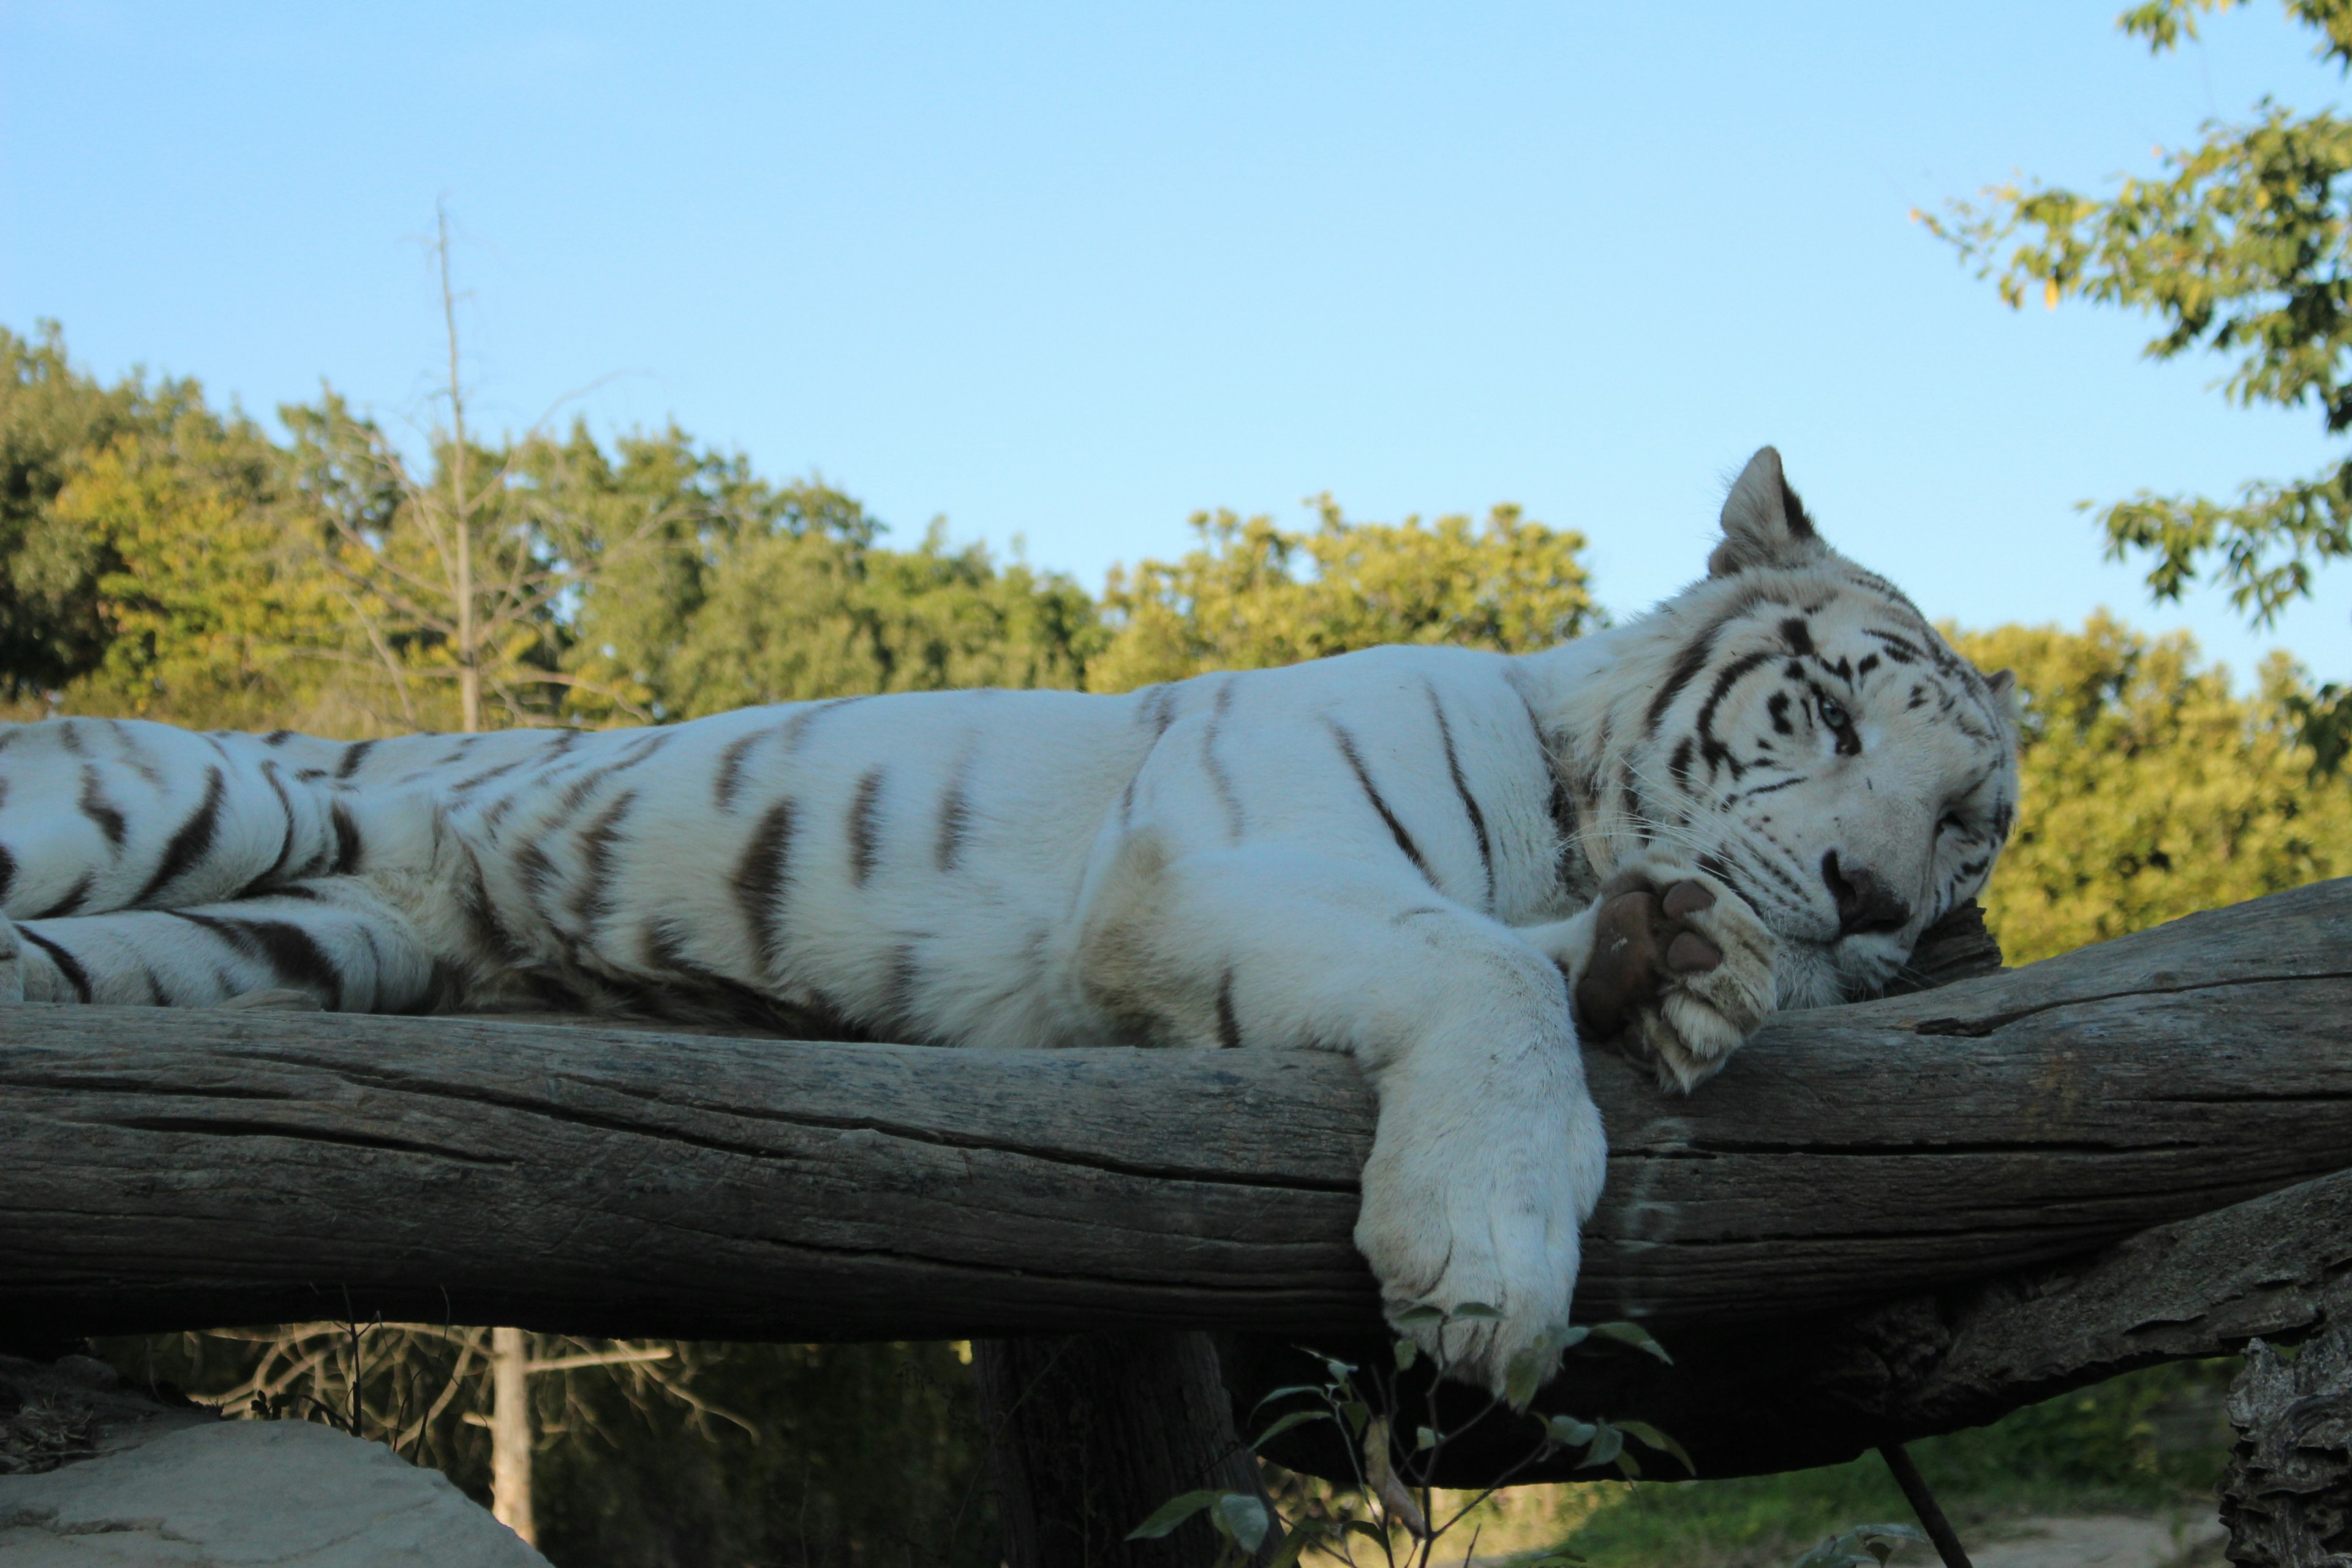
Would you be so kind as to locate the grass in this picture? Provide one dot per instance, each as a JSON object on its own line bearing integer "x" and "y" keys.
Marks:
{"x": 2145, "y": 1443}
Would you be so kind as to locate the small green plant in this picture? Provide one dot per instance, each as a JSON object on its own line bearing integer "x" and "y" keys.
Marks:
{"x": 1389, "y": 1505}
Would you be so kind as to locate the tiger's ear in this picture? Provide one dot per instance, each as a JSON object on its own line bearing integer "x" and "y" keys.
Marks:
{"x": 1764, "y": 523}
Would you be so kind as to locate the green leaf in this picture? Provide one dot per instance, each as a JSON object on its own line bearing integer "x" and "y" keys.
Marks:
{"x": 1475, "y": 1310}
{"x": 1629, "y": 1467}
{"x": 1243, "y": 1518}
{"x": 1523, "y": 1376}
{"x": 1357, "y": 1412}
{"x": 1171, "y": 1514}
{"x": 1570, "y": 1433}
{"x": 1421, "y": 1314}
{"x": 1642, "y": 1431}
{"x": 1635, "y": 1335}
{"x": 1407, "y": 1352}
{"x": 1425, "y": 1437}
{"x": 1296, "y": 1418}
{"x": 1287, "y": 1389}
{"x": 1606, "y": 1445}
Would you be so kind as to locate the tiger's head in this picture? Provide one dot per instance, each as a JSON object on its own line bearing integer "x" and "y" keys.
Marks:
{"x": 1794, "y": 726}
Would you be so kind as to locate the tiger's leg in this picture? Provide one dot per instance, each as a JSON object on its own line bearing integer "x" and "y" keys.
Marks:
{"x": 1488, "y": 1154}
{"x": 337, "y": 940}
{"x": 100, "y": 814}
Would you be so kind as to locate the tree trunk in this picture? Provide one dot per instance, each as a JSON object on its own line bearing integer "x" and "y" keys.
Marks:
{"x": 2288, "y": 1498}
{"x": 1089, "y": 1434}
{"x": 510, "y": 1442}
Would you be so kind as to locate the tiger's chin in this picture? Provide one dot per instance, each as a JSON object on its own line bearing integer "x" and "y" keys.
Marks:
{"x": 1825, "y": 973}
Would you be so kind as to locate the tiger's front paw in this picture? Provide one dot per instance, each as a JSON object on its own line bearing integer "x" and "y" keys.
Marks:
{"x": 1477, "y": 1207}
{"x": 1680, "y": 971}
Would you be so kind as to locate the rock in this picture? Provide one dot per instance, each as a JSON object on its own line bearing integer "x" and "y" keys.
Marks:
{"x": 129, "y": 1484}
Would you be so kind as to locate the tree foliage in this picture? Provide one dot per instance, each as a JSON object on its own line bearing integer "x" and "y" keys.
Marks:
{"x": 2243, "y": 246}
{"x": 2151, "y": 788}
{"x": 1255, "y": 596}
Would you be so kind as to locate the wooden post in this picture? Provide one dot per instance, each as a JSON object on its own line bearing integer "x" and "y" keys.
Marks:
{"x": 1090, "y": 1433}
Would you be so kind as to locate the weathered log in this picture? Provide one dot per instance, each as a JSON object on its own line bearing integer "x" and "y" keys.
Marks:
{"x": 2287, "y": 1496}
{"x": 166, "y": 1169}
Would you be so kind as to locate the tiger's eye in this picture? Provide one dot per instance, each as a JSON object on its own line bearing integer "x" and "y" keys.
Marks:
{"x": 1831, "y": 713}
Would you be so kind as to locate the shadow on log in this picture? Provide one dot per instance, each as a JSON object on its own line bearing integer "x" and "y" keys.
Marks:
{"x": 172, "y": 1170}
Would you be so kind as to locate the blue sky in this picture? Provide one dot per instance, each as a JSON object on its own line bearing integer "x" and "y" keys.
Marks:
{"x": 1071, "y": 273}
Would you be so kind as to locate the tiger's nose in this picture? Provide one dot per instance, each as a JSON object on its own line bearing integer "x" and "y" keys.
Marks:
{"x": 1863, "y": 902}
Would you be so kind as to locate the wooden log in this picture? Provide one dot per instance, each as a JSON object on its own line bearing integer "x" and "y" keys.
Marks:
{"x": 164, "y": 1170}
{"x": 2287, "y": 1496}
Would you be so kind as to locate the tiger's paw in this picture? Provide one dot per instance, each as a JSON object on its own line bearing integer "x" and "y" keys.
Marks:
{"x": 1680, "y": 973}
{"x": 1471, "y": 1216}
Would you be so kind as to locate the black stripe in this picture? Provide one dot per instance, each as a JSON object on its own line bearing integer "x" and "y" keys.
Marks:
{"x": 101, "y": 810}
{"x": 730, "y": 768}
{"x": 354, "y": 755}
{"x": 1687, "y": 666}
{"x": 955, "y": 822}
{"x": 285, "y": 837}
{"x": 1229, "y": 1028}
{"x": 1559, "y": 804}
{"x": 75, "y": 897}
{"x": 293, "y": 955}
{"x": 862, "y": 845}
{"x": 277, "y": 737}
{"x": 348, "y": 848}
{"x": 7, "y": 872}
{"x": 76, "y": 975}
{"x": 1234, "y": 821}
{"x": 189, "y": 844}
{"x": 592, "y": 900}
{"x": 482, "y": 918}
{"x": 1714, "y": 751}
{"x": 1462, "y": 788}
{"x": 1356, "y": 762}
{"x": 760, "y": 881}
{"x": 462, "y": 786}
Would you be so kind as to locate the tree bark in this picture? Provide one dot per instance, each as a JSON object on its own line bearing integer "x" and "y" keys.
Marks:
{"x": 2287, "y": 1497}
{"x": 510, "y": 1437}
{"x": 1089, "y": 1434}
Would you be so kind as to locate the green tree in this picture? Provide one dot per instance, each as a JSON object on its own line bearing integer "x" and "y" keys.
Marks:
{"x": 1255, "y": 596}
{"x": 2241, "y": 245}
{"x": 214, "y": 611}
{"x": 53, "y": 420}
{"x": 2151, "y": 789}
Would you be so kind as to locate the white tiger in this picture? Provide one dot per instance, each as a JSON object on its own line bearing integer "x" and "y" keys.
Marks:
{"x": 1431, "y": 859}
